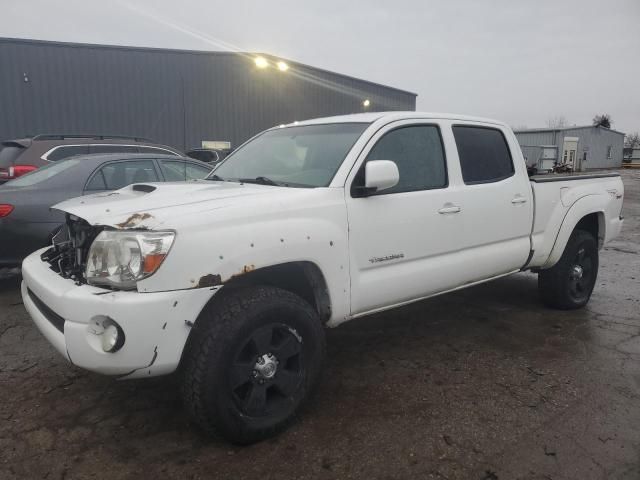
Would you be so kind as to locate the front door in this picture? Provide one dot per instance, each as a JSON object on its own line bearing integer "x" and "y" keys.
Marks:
{"x": 396, "y": 234}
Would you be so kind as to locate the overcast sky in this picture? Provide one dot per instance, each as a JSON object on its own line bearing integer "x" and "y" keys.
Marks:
{"x": 519, "y": 61}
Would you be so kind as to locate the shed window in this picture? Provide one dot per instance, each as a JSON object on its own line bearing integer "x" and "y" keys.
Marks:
{"x": 610, "y": 152}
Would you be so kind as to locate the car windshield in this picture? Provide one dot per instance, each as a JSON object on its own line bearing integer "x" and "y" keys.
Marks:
{"x": 42, "y": 174}
{"x": 304, "y": 156}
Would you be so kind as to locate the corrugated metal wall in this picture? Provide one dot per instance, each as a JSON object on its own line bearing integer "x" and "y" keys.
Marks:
{"x": 537, "y": 138}
{"x": 175, "y": 97}
{"x": 592, "y": 141}
{"x": 595, "y": 142}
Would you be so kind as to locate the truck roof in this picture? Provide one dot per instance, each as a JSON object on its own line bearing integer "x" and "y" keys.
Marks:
{"x": 392, "y": 116}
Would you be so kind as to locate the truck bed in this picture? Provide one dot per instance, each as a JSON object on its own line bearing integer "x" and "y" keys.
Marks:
{"x": 560, "y": 201}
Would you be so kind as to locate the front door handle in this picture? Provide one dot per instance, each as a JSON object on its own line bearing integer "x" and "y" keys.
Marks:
{"x": 449, "y": 208}
{"x": 518, "y": 199}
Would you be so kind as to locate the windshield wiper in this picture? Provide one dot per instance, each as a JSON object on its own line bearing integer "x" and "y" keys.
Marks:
{"x": 260, "y": 180}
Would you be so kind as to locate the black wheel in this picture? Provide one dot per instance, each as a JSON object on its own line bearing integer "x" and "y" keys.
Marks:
{"x": 253, "y": 358}
{"x": 569, "y": 283}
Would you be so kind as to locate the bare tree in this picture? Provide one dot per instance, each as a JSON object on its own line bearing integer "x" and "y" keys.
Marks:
{"x": 632, "y": 140}
{"x": 603, "y": 120}
{"x": 559, "y": 121}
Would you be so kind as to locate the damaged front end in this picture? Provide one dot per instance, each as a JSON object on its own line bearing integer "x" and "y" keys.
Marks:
{"x": 104, "y": 256}
{"x": 69, "y": 251}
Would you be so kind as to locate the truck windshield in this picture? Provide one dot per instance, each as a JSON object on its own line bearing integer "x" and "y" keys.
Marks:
{"x": 304, "y": 156}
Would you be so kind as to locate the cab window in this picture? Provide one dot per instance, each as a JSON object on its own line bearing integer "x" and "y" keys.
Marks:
{"x": 418, "y": 152}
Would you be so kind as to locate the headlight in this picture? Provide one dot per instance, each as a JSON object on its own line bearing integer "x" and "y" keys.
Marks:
{"x": 121, "y": 258}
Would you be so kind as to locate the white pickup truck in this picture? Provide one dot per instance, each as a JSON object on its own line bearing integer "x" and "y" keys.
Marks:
{"x": 231, "y": 280}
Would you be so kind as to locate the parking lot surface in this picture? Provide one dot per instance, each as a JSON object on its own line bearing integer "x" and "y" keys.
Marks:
{"x": 484, "y": 383}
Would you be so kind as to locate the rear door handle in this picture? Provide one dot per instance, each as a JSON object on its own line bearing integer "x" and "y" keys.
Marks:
{"x": 518, "y": 199}
{"x": 449, "y": 208}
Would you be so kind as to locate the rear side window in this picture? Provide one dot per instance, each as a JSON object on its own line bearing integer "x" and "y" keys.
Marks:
{"x": 418, "y": 153}
{"x": 173, "y": 171}
{"x": 117, "y": 175}
{"x": 196, "y": 172}
{"x": 484, "y": 154}
{"x": 66, "y": 151}
{"x": 112, "y": 149}
{"x": 97, "y": 182}
{"x": 43, "y": 174}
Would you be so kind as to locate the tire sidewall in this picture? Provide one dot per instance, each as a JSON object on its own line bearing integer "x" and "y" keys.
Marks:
{"x": 285, "y": 309}
{"x": 579, "y": 239}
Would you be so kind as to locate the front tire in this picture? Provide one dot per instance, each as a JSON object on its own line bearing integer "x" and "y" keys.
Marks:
{"x": 254, "y": 356}
{"x": 569, "y": 283}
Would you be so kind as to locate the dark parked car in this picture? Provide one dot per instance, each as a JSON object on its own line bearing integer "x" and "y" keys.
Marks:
{"x": 26, "y": 221}
{"x": 24, "y": 155}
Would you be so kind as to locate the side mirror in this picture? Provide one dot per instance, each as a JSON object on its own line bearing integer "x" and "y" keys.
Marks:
{"x": 380, "y": 175}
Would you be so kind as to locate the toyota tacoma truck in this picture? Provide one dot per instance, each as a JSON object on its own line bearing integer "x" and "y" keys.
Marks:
{"x": 232, "y": 280}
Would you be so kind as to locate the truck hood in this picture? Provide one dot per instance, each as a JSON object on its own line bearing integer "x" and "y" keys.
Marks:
{"x": 152, "y": 205}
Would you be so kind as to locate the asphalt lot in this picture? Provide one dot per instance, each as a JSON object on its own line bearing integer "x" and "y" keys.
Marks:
{"x": 481, "y": 384}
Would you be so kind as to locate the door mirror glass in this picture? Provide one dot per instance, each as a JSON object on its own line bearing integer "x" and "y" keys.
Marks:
{"x": 380, "y": 175}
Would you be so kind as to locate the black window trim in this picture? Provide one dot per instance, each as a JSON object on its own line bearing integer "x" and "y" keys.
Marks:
{"x": 353, "y": 186}
{"x": 99, "y": 168}
{"x": 485, "y": 127}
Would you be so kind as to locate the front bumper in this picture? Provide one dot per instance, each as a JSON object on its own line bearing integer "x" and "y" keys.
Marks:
{"x": 156, "y": 325}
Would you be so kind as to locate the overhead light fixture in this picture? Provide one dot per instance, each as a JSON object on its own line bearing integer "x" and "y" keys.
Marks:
{"x": 261, "y": 62}
{"x": 282, "y": 66}
{"x": 366, "y": 103}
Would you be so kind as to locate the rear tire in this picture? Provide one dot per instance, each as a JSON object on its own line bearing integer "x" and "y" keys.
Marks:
{"x": 569, "y": 283}
{"x": 253, "y": 358}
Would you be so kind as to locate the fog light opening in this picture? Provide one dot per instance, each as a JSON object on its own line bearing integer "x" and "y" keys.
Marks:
{"x": 112, "y": 337}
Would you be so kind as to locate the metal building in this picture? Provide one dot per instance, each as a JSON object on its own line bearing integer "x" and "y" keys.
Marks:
{"x": 177, "y": 97}
{"x": 588, "y": 147}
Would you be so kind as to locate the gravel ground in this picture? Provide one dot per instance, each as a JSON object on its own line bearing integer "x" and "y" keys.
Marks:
{"x": 480, "y": 384}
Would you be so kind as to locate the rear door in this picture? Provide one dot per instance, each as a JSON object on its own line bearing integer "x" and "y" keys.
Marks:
{"x": 495, "y": 200}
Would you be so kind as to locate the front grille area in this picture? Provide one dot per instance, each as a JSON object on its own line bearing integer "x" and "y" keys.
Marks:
{"x": 55, "y": 319}
{"x": 68, "y": 255}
